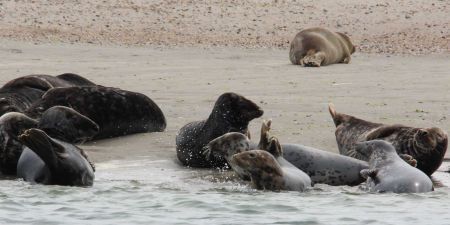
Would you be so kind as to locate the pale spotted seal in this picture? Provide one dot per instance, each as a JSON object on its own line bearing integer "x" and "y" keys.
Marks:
{"x": 387, "y": 172}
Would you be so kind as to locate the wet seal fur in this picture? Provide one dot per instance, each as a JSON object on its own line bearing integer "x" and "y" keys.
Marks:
{"x": 227, "y": 145}
{"x": 426, "y": 145}
{"x": 66, "y": 125}
{"x": 117, "y": 112}
{"x": 49, "y": 161}
{"x": 387, "y": 172}
{"x": 270, "y": 171}
{"x": 231, "y": 113}
{"x": 19, "y": 94}
{"x": 320, "y": 47}
{"x": 322, "y": 166}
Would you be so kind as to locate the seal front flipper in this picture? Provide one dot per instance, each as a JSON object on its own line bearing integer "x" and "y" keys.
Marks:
{"x": 366, "y": 173}
{"x": 409, "y": 159}
{"x": 43, "y": 146}
{"x": 383, "y": 131}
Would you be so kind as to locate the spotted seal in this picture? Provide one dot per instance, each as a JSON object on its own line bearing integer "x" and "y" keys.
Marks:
{"x": 426, "y": 145}
{"x": 268, "y": 170}
{"x": 387, "y": 172}
{"x": 48, "y": 161}
{"x": 117, "y": 112}
{"x": 320, "y": 47}
{"x": 231, "y": 113}
{"x": 19, "y": 94}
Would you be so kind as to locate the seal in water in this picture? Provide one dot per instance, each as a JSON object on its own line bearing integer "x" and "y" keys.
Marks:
{"x": 387, "y": 172}
{"x": 117, "y": 112}
{"x": 231, "y": 113}
{"x": 49, "y": 161}
{"x": 60, "y": 122}
{"x": 426, "y": 145}
{"x": 19, "y": 94}
{"x": 270, "y": 171}
{"x": 322, "y": 166}
{"x": 320, "y": 47}
{"x": 225, "y": 146}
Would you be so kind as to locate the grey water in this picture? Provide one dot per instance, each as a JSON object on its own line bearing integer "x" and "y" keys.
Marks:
{"x": 146, "y": 191}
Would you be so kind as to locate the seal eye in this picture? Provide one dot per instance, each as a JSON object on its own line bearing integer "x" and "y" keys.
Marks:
{"x": 252, "y": 155}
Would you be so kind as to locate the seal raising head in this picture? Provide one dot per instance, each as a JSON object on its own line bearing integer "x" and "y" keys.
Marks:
{"x": 387, "y": 172}
{"x": 426, "y": 145}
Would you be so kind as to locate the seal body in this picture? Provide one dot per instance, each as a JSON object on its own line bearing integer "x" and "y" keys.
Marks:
{"x": 231, "y": 113}
{"x": 271, "y": 172}
{"x": 426, "y": 145}
{"x": 19, "y": 94}
{"x": 387, "y": 172}
{"x": 49, "y": 161}
{"x": 319, "y": 47}
{"x": 117, "y": 112}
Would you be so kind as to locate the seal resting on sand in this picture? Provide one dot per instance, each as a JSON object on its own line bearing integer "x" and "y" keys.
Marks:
{"x": 19, "y": 94}
{"x": 387, "y": 172}
{"x": 117, "y": 112}
{"x": 270, "y": 171}
{"x": 49, "y": 161}
{"x": 426, "y": 145}
{"x": 322, "y": 166}
{"x": 231, "y": 113}
{"x": 59, "y": 122}
{"x": 320, "y": 47}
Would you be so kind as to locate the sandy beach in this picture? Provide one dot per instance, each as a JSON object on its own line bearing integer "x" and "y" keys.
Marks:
{"x": 186, "y": 81}
{"x": 412, "y": 27}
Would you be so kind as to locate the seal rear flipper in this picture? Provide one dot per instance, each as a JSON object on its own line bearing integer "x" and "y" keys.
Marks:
{"x": 383, "y": 131}
{"x": 274, "y": 147}
{"x": 337, "y": 117}
{"x": 264, "y": 138}
{"x": 40, "y": 143}
{"x": 366, "y": 173}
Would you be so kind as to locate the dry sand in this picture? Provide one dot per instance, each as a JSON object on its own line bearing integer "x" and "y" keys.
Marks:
{"x": 185, "y": 82}
{"x": 377, "y": 26}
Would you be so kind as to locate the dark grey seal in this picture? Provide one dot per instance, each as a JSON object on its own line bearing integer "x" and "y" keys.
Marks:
{"x": 19, "y": 94}
{"x": 117, "y": 112}
{"x": 60, "y": 122}
{"x": 387, "y": 172}
{"x": 49, "y": 161}
{"x": 268, "y": 170}
{"x": 426, "y": 145}
{"x": 231, "y": 113}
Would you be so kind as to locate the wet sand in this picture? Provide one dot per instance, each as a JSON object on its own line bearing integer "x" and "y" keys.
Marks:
{"x": 185, "y": 82}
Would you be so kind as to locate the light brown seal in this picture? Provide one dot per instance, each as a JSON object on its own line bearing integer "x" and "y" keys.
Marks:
{"x": 320, "y": 47}
{"x": 426, "y": 145}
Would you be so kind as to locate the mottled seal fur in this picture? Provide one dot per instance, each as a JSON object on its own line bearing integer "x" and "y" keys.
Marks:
{"x": 426, "y": 145}
{"x": 19, "y": 94}
{"x": 117, "y": 112}
{"x": 320, "y": 47}
{"x": 49, "y": 161}
{"x": 227, "y": 145}
{"x": 387, "y": 172}
{"x": 67, "y": 125}
{"x": 270, "y": 171}
{"x": 322, "y": 166}
{"x": 231, "y": 113}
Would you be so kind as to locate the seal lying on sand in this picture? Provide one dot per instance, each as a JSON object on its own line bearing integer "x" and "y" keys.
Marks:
{"x": 19, "y": 94}
{"x": 231, "y": 113}
{"x": 49, "y": 161}
{"x": 322, "y": 166}
{"x": 117, "y": 112}
{"x": 426, "y": 145}
{"x": 270, "y": 171}
{"x": 67, "y": 124}
{"x": 387, "y": 172}
{"x": 320, "y": 47}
